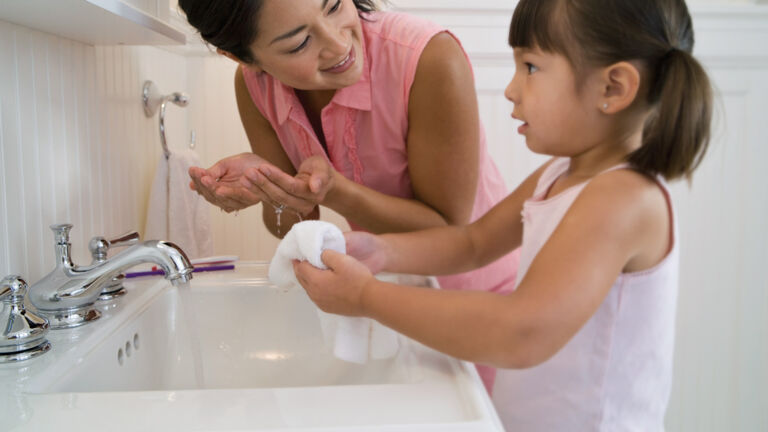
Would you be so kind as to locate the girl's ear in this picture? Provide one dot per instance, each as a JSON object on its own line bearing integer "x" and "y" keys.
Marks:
{"x": 621, "y": 83}
{"x": 232, "y": 57}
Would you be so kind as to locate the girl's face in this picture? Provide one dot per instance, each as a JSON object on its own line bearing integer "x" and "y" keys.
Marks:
{"x": 557, "y": 119}
{"x": 310, "y": 44}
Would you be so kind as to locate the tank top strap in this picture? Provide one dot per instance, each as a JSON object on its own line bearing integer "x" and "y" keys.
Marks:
{"x": 560, "y": 166}
{"x": 550, "y": 174}
{"x": 623, "y": 165}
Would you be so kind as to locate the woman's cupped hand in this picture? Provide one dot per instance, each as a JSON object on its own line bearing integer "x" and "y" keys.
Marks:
{"x": 246, "y": 179}
{"x": 221, "y": 184}
{"x": 300, "y": 193}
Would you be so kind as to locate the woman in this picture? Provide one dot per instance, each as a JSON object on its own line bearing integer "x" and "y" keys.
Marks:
{"x": 371, "y": 114}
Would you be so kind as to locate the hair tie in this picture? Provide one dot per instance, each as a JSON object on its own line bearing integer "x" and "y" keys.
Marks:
{"x": 670, "y": 52}
{"x": 661, "y": 73}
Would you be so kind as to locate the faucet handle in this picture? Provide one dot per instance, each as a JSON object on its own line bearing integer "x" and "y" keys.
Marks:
{"x": 99, "y": 246}
{"x": 22, "y": 332}
{"x": 13, "y": 289}
{"x": 61, "y": 232}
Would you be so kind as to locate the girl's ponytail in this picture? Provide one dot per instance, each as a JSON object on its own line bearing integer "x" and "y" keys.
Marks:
{"x": 677, "y": 134}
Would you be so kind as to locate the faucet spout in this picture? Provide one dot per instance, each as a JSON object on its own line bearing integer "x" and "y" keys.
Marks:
{"x": 67, "y": 294}
{"x": 86, "y": 279}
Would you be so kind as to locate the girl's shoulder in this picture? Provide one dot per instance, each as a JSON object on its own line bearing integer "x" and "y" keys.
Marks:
{"x": 629, "y": 207}
{"x": 628, "y": 182}
{"x": 626, "y": 190}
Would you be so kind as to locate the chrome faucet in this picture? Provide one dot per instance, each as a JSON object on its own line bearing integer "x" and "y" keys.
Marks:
{"x": 67, "y": 294}
{"x": 22, "y": 335}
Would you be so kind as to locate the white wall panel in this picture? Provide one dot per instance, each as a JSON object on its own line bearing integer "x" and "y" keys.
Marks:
{"x": 12, "y": 169}
{"x": 720, "y": 376}
{"x": 76, "y": 146}
{"x": 4, "y": 243}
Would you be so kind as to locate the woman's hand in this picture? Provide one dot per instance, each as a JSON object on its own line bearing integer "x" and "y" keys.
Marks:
{"x": 368, "y": 248}
{"x": 302, "y": 192}
{"x": 221, "y": 184}
{"x": 338, "y": 290}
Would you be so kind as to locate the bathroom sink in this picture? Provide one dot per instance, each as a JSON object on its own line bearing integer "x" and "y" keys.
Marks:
{"x": 230, "y": 351}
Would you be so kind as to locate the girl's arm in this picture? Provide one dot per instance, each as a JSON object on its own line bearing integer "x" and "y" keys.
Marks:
{"x": 620, "y": 222}
{"x": 456, "y": 249}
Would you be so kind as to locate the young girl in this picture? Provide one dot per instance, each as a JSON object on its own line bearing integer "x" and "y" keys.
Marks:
{"x": 610, "y": 89}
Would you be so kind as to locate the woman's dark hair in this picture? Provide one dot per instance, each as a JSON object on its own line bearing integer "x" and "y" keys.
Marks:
{"x": 230, "y": 25}
{"x": 659, "y": 34}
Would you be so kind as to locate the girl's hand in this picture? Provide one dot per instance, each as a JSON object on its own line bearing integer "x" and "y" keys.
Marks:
{"x": 368, "y": 248}
{"x": 221, "y": 184}
{"x": 302, "y": 192}
{"x": 339, "y": 289}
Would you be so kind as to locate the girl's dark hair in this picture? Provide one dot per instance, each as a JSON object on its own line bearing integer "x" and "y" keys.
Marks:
{"x": 230, "y": 25}
{"x": 659, "y": 34}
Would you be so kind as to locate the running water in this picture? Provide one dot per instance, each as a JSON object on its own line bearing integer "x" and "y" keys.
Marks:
{"x": 194, "y": 340}
{"x": 278, "y": 213}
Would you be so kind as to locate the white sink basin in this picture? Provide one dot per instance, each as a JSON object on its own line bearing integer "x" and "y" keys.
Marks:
{"x": 231, "y": 352}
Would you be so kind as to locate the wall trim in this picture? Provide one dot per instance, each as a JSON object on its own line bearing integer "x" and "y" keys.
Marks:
{"x": 727, "y": 36}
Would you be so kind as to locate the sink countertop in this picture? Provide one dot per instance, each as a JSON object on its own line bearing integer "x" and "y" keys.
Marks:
{"x": 447, "y": 396}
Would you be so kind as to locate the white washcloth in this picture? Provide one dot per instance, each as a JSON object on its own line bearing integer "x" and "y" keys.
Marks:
{"x": 175, "y": 212}
{"x": 354, "y": 339}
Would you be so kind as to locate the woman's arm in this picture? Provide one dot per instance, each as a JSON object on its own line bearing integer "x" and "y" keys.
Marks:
{"x": 443, "y": 150}
{"x": 264, "y": 142}
{"x": 442, "y": 144}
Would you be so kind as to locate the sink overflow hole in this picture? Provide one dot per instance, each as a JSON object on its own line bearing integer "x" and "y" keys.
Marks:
{"x": 124, "y": 352}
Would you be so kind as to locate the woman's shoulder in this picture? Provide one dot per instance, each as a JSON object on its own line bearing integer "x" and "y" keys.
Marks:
{"x": 399, "y": 28}
{"x": 395, "y": 38}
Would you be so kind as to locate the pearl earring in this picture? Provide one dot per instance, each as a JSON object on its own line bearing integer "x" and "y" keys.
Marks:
{"x": 605, "y": 106}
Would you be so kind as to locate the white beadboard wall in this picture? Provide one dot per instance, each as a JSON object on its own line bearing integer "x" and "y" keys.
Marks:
{"x": 75, "y": 146}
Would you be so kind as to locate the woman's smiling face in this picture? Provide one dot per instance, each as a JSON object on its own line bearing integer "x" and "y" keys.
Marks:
{"x": 310, "y": 44}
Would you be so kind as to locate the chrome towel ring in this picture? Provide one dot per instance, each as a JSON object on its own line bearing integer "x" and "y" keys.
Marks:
{"x": 152, "y": 99}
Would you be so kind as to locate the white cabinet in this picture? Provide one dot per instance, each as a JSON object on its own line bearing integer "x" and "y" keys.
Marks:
{"x": 97, "y": 22}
